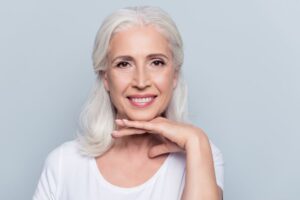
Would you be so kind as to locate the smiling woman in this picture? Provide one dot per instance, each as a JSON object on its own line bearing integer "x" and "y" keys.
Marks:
{"x": 140, "y": 76}
{"x": 135, "y": 142}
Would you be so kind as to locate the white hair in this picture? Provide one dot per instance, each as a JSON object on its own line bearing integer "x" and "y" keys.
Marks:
{"x": 98, "y": 115}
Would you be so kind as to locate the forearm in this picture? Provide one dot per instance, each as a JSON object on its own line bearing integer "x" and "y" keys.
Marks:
{"x": 200, "y": 180}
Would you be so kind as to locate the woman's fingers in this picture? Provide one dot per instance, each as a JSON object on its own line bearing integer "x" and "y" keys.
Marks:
{"x": 149, "y": 126}
{"x": 160, "y": 126}
{"x": 119, "y": 122}
{"x": 178, "y": 133}
{"x": 127, "y": 131}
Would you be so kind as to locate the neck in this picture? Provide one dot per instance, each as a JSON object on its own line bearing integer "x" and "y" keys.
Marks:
{"x": 133, "y": 143}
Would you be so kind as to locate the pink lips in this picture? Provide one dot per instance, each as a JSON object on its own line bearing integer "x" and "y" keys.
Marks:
{"x": 141, "y": 101}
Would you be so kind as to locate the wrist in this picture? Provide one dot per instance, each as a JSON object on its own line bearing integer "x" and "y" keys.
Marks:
{"x": 197, "y": 142}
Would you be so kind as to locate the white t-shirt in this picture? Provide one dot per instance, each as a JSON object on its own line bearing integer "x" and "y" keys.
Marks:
{"x": 67, "y": 175}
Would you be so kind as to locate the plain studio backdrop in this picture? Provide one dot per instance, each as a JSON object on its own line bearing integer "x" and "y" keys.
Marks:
{"x": 242, "y": 67}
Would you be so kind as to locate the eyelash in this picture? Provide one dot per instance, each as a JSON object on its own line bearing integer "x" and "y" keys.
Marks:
{"x": 159, "y": 63}
{"x": 121, "y": 64}
{"x": 124, "y": 64}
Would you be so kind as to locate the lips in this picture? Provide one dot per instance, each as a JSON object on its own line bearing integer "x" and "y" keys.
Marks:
{"x": 141, "y": 101}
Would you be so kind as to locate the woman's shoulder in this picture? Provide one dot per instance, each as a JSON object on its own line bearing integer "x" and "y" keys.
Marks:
{"x": 68, "y": 147}
{"x": 216, "y": 152}
{"x": 61, "y": 163}
{"x": 218, "y": 164}
{"x": 67, "y": 153}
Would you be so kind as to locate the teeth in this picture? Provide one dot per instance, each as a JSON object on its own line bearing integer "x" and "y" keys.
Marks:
{"x": 142, "y": 100}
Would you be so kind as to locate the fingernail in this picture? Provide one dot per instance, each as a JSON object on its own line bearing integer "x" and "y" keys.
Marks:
{"x": 113, "y": 136}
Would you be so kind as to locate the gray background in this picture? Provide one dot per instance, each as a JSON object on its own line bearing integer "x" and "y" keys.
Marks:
{"x": 241, "y": 65}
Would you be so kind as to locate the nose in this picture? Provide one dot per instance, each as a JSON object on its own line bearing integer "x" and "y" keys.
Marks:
{"x": 141, "y": 78}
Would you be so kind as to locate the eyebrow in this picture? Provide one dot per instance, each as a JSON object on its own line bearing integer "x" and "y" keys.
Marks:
{"x": 130, "y": 58}
{"x": 157, "y": 55}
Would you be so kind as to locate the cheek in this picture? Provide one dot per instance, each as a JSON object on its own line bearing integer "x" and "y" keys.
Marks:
{"x": 117, "y": 88}
{"x": 117, "y": 84}
{"x": 165, "y": 83}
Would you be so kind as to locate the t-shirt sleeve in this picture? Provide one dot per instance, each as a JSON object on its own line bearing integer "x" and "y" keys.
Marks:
{"x": 219, "y": 165}
{"x": 48, "y": 182}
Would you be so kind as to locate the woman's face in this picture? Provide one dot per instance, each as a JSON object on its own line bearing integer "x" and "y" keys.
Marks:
{"x": 140, "y": 76}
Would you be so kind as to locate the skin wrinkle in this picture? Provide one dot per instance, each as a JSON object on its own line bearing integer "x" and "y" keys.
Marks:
{"x": 139, "y": 46}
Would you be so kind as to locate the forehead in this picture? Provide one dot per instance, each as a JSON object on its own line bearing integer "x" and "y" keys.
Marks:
{"x": 139, "y": 40}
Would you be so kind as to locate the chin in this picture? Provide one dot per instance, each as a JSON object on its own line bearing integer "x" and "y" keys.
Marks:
{"x": 142, "y": 116}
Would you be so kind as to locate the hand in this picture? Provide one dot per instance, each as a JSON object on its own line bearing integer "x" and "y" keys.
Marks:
{"x": 176, "y": 135}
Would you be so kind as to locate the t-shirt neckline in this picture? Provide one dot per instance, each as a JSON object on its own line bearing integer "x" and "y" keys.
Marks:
{"x": 116, "y": 188}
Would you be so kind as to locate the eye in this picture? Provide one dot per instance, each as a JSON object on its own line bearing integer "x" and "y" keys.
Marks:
{"x": 122, "y": 64}
{"x": 158, "y": 63}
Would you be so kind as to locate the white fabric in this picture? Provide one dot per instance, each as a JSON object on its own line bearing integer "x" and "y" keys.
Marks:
{"x": 67, "y": 175}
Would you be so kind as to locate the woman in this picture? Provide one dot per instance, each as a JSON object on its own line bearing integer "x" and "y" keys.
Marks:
{"x": 135, "y": 141}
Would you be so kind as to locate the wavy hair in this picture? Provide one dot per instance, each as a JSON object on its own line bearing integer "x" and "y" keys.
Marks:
{"x": 98, "y": 115}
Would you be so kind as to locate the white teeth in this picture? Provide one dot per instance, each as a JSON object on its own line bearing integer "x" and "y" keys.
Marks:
{"x": 142, "y": 100}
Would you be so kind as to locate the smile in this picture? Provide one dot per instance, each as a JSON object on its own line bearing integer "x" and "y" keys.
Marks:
{"x": 141, "y": 101}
